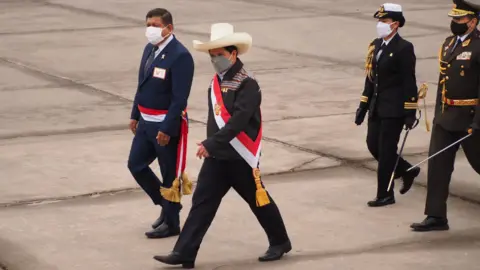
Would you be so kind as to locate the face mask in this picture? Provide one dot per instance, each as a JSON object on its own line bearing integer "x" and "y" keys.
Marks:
{"x": 383, "y": 29}
{"x": 154, "y": 35}
{"x": 221, "y": 63}
{"x": 458, "y": 29}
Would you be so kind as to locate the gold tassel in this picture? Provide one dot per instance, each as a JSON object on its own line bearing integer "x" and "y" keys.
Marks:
{"x": 173, "y": 193}
{"x": 261, "y": 195}
{"x": 422, "y": 94}
{"x": 186, "y": 184}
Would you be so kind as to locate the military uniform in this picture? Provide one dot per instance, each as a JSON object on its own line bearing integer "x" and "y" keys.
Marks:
{"x": 456, "y": 111}
{"x": 390, "y": 97}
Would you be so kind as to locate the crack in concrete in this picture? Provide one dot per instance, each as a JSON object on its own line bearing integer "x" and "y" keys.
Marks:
{"x": 65, "y": 132}
{"x": 97, "y": 194}
{"x": 332, "y": 60}
{"x": 411, "y": 244}
{"x": 332, "y": 12}
{"x": 67, "y": 30}
{"x": 62, "y": 80}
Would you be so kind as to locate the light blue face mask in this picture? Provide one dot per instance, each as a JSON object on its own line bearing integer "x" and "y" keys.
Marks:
{"x": 221, "y": 63}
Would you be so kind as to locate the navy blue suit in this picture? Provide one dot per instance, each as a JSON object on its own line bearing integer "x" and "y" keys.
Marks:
{"x": 169, "y": 91}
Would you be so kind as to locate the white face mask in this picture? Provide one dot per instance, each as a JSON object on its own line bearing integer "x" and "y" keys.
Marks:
{"x": 154, "y": 35}
{"x": 383, "y": 29}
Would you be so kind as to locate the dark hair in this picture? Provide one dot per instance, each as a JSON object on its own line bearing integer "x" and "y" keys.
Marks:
{"x": 230, "y": 49}
{"x": 164, "y": 14}
{"x": 476, "y": 16}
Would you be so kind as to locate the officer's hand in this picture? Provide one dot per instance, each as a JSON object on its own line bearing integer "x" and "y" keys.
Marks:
{"x": 202, "y": 151}
{"x": 410, "y": 121}
{"x": 474, "y": 128}
{"x": 133, "y": 126}
{"x": 360, "y": 116}
{"x": 162, "y": 138}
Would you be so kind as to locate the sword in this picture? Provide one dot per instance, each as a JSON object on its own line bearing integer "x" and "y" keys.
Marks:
{"x": 398, "y": 159}
{"x": 441, "y": 151}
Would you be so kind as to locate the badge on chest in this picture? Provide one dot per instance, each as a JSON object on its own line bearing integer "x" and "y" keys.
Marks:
{"x": 464, "y": 56}
{"x": 159, "y": 73}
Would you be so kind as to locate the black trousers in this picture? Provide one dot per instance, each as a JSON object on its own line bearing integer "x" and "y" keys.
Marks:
{"x": 382, "y": 141}
{"x": 440, "y": 168}
{"x": 143, "y": 152}
{"x": 214, "y": 180}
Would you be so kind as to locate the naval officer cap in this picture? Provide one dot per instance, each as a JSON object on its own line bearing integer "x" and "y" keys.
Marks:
{"x": 465, "y": 7}
{"x": 392, "y": 11}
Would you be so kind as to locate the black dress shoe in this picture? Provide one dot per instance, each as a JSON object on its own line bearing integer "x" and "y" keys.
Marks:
{"x": 276, "y": 252}
{"x": 431, "y": 224}
{"x": 159, "y": 220}
{"x": 162, "y": 231}
{"x": 175, "y": 258}
{"x": 382, "y": 202}
{"x": 408, "y": 179}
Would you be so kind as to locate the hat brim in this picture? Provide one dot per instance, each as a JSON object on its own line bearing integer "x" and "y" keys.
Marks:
{"x": 456, "y": 13}
{"x": 242, "y": 41}
{"x": 395, "y": 16}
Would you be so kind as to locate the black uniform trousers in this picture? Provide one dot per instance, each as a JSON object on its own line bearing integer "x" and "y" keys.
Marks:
{"x": 382, "y": 141}
{"x": 145, "y": 149}
{"x": 216, "y": 177}
{"x": 440, "y": 168}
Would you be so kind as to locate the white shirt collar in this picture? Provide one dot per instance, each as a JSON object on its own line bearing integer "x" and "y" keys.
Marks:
{"x": 162, "y": 46}
{"x": 462, "y": 37}
{"x": 388, "y": 41}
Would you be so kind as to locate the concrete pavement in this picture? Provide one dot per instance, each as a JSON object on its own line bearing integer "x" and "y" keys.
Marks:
{"x": 67, "y": 79}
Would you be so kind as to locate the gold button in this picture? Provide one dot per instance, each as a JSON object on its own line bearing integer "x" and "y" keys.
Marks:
{"x": 462, "y": 66}
{"x": 449, "y": 65}
{"x": 446, "y": 78}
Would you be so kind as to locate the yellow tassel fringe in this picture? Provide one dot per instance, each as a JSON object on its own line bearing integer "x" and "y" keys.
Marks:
{"x": 186, "y": 184}
{"x": 172, "y": 194}
{"x": 261, "y": 195}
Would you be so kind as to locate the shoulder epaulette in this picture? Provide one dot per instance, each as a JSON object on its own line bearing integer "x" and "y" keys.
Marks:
{"x": 369, "y": 60}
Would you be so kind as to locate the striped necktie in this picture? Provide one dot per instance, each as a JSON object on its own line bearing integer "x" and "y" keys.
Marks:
{"x": 150, "y": 59}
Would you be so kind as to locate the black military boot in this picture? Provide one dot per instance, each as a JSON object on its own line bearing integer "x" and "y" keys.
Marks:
{"x": 431, "y": 224}
{"x": 276, "y": 252}
{"x": 408, "y": 179}
{"x": 382, "y": 202}
{"x": 175, "y": 258}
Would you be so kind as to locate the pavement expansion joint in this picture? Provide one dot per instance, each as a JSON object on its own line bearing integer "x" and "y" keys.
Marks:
{"x": 115, "y": 192}
{"x": 64, "y": 132}
{"x": 69, "y": 30}
{"x": 410, "y": 244}
{"x": 63, "y": 79}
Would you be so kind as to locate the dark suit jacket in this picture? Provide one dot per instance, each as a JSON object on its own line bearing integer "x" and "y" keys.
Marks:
{"x": 392, "y": 92}
{"x": 462, "y": 81}
{"x": 169, "y": 93}
{"x": 243, "y": 104}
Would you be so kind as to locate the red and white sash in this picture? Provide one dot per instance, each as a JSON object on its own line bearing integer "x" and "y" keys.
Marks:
{"x": 247, "y": 148}
{"x": 152, "y": 115}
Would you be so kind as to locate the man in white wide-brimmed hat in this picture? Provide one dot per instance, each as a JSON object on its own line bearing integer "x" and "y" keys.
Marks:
{"x": 231, "y": 151}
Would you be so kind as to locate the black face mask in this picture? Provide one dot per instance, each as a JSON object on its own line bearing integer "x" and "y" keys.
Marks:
{"x": 458, "y": 29}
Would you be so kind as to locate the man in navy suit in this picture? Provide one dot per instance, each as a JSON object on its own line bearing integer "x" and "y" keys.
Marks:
{"x": 159, "y": 121}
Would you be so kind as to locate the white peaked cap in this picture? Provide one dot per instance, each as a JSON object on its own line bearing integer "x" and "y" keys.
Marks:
{"x": 390, "y": 7}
